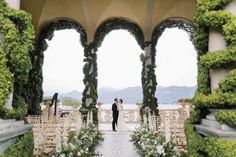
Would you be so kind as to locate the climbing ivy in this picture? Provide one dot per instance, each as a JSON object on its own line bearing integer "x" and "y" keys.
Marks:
{"x": 18, "y": 33}
{"x": 210, "y": 14}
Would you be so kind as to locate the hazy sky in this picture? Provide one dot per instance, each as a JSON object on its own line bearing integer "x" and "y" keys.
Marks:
{"x": 119, "y": 64}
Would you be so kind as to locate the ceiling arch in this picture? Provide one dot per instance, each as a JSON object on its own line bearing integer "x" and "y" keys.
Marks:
{"x": 90, "y": 13}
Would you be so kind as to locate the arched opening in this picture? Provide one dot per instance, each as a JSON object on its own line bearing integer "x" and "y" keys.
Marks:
{"x": 118, "y": 62}
{"x": 35, "y": 83}
{"x": 63, "y": 68}
{"x": 119, "y": 76}
{"x": 119, "y": 68}
{"x": 175, "y": 60}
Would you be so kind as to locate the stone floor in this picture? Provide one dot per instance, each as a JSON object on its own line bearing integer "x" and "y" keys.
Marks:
{"x": 117, "y": 144}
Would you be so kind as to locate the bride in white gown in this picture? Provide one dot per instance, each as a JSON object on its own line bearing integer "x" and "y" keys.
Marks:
{"x": 121, "y": 124}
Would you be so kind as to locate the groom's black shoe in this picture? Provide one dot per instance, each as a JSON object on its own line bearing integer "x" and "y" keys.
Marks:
{"x": 114, "y": 130}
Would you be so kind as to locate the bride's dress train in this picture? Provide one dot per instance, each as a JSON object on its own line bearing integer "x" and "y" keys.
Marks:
{"x": 121, "y": 126}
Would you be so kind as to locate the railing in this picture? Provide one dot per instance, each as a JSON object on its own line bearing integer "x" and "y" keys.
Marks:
{"x": 170, "y": 122}
{"x": 130, "y": 115}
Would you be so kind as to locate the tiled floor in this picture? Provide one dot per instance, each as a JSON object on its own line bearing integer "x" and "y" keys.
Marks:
{"x": 117, "y": 144}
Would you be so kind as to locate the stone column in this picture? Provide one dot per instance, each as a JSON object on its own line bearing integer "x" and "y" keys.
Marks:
{"x": 217, "y": 42}
{"x": 89, "y": 99}
{"x": 148, "y": 84}
{"x": 15, "y": 4}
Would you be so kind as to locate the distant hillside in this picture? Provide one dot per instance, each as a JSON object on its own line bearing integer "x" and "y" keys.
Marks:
{"x": 168, "y": 95}
{"x": 129, "y": 95}
{"x": 171, "y": 94}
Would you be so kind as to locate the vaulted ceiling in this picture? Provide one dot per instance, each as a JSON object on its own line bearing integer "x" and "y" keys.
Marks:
{"x": 91, "y": 13}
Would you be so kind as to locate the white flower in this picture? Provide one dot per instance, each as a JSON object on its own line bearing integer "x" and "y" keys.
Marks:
{"x": 160, "y": 149}
{"x": 62, "y": 155}
{"x": 79, "y": 154}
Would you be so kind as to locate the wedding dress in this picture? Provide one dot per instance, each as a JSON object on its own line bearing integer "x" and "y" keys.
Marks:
{"x": 121, "y": 124}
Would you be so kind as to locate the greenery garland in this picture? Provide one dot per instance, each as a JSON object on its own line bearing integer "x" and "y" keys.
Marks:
{"x": 210, "y": 15}
{"x": 18, "y": 32}
{"x": 116, "y": 24}
{"x": 149, "y": 84}
{"x": 33, "y": 90}
{"x": 90, "y": 95}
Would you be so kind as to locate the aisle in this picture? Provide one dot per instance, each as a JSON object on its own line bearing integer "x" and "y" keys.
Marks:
{"x": 117, "y": 144}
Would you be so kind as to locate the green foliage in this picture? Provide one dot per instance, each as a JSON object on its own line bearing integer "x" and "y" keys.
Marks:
{"x": 216, "y": 147}
{"x": 149, "y": 87}
{"x": 90, "y": 80}
{"x": 6, "y": 78}
{"x": 82, "y": 143}
{"x": 210, "y": 14}
{"x": 18, "y": 32}
{"x": 19, "y": 111}
{"x": 226, "y": 117}
{"x": 22, "y": 148}
{"x": 193, "y": 142}
{"x": 229, "y": 84}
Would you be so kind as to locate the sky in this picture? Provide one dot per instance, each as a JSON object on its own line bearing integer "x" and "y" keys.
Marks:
{"x": 118, "y": 59}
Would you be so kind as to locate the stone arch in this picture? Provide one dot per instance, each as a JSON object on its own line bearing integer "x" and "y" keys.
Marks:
{"x": 116, "y": 23}
{"x": 90, "y": 96}
{"x": 34, "y": 86}
{"x": 180, "y": 22}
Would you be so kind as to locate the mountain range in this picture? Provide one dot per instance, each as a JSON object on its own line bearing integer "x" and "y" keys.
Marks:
{"x": 165, "y": 95}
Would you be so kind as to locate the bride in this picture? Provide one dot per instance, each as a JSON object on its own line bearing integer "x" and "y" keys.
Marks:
{"x": 121, "y": 124}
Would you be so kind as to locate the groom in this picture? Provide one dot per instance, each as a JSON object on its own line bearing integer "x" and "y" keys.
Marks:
{"x": 115, "y": 114}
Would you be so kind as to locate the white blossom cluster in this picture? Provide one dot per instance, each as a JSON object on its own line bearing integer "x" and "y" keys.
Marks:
{"x": 81, "y": 143}
{"x": 152, "y": 143}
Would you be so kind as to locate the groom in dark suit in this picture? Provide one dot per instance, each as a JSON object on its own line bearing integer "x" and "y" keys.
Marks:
{"x": 115, "y": 114}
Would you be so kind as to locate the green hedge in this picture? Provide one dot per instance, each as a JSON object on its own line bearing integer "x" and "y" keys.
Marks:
{"x": 193, "y": 142}
{"x": 6, "y": 78}
{"x": 226, "y": 117}
{"x": 18, "y": 32}
{"x": 210, "y": 14}
{"x": 216, "y": 147}
{"x": 22, "y": 148}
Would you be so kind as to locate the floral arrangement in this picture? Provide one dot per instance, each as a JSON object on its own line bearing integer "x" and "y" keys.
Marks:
{"x": 81, "y": 143}
{"x": 151, "y": 143}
